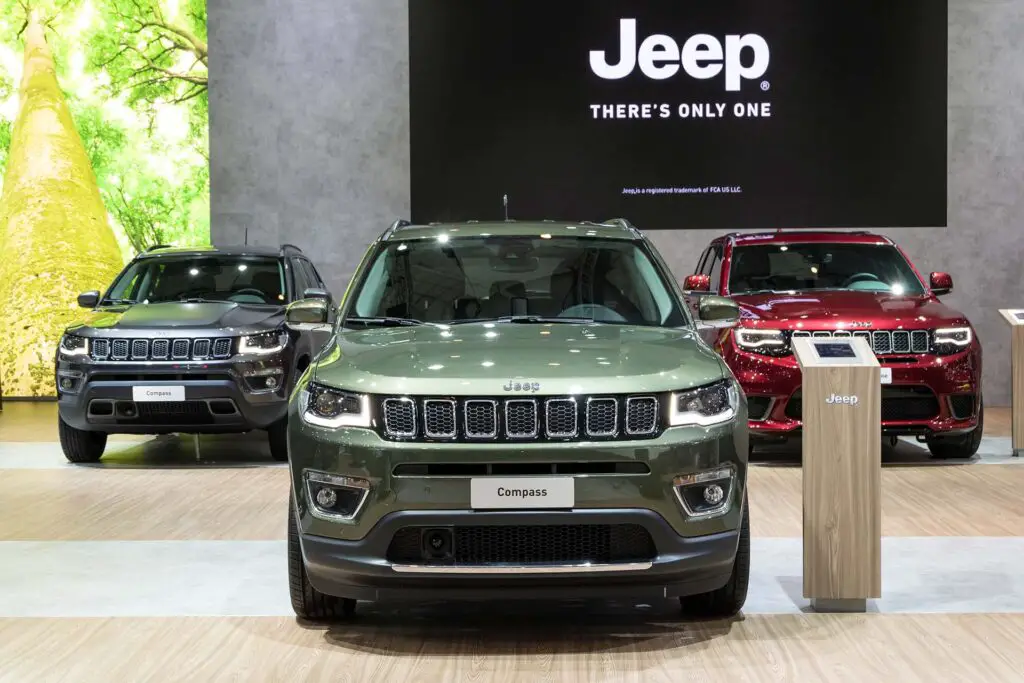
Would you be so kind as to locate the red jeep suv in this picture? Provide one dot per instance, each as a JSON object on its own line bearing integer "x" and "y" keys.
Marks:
{"x": 824, "y": 284}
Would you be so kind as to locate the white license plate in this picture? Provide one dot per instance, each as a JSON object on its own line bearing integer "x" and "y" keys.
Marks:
{"x": 150, "y": 394}
{"x": 886, "y": 375}
{"x": 522, "y": 493}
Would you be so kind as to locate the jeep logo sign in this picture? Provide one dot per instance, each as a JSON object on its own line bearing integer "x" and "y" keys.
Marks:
{"x": 837, "y": 399}
{"x": 702, "y": 56}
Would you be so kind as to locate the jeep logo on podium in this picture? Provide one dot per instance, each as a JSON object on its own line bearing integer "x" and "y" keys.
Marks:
{"x": 838, "y": 399}
{"x": 701, "y": 56}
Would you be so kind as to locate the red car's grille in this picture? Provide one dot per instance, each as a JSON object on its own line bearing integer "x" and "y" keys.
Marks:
{"x": 883, "y": 342}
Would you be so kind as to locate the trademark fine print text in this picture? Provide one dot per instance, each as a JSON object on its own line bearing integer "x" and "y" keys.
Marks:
{"x": 686, "y": 110}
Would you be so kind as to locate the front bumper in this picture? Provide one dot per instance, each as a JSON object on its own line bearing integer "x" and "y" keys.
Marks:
{"x": 217, "y": 396}
{"x": 928, "y": 394}
{"x": 358, "y": 570}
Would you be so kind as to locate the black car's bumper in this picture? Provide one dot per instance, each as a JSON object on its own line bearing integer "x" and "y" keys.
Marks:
{"x": 361, "y": 570}
{"x": 217, "y": 397}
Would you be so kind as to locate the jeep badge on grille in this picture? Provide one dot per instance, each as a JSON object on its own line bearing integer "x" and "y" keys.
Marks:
{"x": 532, "y": 387}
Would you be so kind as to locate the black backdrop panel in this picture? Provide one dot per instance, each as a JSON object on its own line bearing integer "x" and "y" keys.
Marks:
{"x": 845, "y": 127}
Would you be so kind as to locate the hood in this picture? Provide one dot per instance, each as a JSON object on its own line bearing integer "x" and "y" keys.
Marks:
{"x": 487, "y": 359}
{"x": 149, "y": 318}
{"x": 836, "y": 309}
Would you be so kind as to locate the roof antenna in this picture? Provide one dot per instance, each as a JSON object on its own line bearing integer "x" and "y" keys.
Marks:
{"x": 246, "y": 236}
{"x": 504, "y": 202}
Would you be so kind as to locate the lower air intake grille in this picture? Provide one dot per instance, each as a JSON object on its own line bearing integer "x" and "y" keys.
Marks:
{"x": 555, "y": 544}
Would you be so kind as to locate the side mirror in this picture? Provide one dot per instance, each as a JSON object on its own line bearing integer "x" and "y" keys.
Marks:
{"x": 940, "y": 283}
{"x": 316, "y": 293}
{"x": 697, "y": 283}
{"x": 307, "y": 312}
{"x": 89, "y": 299}
{"x": 718, "y": 312}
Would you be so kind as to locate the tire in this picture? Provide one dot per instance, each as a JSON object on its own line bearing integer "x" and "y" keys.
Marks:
{"x": 728, "y": 600}
{"x": 308, "y": 602}
{"x": 963, "y": 446}
{"x": 278, "y": 437}
{"x": 80, "y": 446}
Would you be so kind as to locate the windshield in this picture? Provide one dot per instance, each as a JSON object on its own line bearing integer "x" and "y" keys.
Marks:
{"x": 526, "y": 279}
{"x": 240, "y": 279}
{"x": 855, "y": 267}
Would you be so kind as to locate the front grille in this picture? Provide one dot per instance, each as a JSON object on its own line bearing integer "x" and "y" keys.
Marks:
{"x": 554, "y": 544}
{"x": 898, "y": 404}
{"x": 160, "y": 349}
{"x": 882, "y": 342}
{"x": 560, "y": 418}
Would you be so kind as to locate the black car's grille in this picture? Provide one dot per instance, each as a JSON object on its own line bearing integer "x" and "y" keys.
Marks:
{"x": 559, "y": 418}
{"x": 176, "y": 412}
{"x": 554, "y": 544}
{"x": 105, "y": 349}
{"x": 882, "y": 342}
{"x": 898, "y": 404}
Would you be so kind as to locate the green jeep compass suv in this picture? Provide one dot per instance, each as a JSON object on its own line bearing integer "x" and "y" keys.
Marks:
{"x": 517, "y": 410}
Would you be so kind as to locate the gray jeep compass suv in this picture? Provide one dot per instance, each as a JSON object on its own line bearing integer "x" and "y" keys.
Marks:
{"x": 188, "y": 340}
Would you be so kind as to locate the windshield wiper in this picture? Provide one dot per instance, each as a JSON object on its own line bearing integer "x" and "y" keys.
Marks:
{"x": 118, "y": 302}
{"x": 541, "y": 319}
{"x": 388, "y": 321}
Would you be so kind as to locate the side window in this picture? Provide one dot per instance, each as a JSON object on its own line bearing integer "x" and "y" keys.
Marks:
{"x": 372, "y": 293}
{"x": 315, "y": 274}
{"x": 716, "y": 269}
{"x": 702, "y": 261}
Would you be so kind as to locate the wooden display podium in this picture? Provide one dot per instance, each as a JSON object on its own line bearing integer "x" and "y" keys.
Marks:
{"x": 1015, "y": 316}
{"x": 842, "y": 472}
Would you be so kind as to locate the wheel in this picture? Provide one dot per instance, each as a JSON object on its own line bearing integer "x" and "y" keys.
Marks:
{"x": 728, "y": 600}
{"x": 963, "y": 446}
{"x": 308, "y": 602}
{"x": 278, "y": 435}
{"x": 79, "y": 445}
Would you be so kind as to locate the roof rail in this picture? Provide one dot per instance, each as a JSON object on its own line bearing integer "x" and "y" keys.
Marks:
{"x": 400, "y": 223}
{"x": 158, "y": 246}
{"x": 624, "y": 224}
{"x": 290, "y": 248}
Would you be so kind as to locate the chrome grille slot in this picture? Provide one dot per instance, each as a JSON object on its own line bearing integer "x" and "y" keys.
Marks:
{"x": 222, "y": 348}
{"x": 560, "y": 418}
{"x": 400, "y": 417}
{"x": 641, "y": 415}
{"x": 439, "y": 418}
{"x": 481, "y": 418}
{"x": 901, "y": 341}
{"x": 602, "y": 417}
{"x": 159, "y": 349}
{"x": 201, "y": 348}
{"x": 140, "y": 349}
{"x": 179, "y": 349}
{"x": 119, "y": 349}
{"x": 881, "y": 342}
{"x": 100, "y": 349}
{"x": 919, "y": 341}
{"x": 521, "y": 418}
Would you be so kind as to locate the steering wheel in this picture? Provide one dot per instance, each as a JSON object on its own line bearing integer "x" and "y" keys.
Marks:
{"x": 858, "y": 277}
{"x": 595, "y": 311}
{"x": 250, "y": 291}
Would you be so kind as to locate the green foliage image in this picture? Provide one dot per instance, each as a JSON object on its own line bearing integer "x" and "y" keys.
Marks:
{"x": 103, "y": 153}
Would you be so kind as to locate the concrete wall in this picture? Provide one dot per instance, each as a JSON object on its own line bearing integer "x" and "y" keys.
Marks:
{"x": 310, "y": 144}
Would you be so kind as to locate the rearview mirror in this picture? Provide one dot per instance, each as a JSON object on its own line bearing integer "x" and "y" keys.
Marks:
{"x": 316, "y": 293}
{"x": 697, "y": 283}
{"x": 940, "y": 283}
{"x": 717, "y": 311}
{"x": 307, "y": 312}
{"x": 89, "y": 299}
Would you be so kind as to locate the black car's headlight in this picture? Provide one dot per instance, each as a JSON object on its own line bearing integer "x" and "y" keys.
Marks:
{"x": 263, "y": 343}
{"x": 72, "y": 345}
{"x": 951, "y": 339}
{"x": 705, "y": 406}
{"x": 326, "y": 407}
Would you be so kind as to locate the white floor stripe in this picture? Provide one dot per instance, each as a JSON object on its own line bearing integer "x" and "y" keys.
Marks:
{"x": 249, "y": 578}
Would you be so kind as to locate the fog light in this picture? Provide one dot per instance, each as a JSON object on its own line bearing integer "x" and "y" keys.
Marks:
{"x": 705, "y": 494}
{"x": 271, "y": 382}
{"x": 67, "y": 383}
{"x": 334, "y": 497}
{"x": 713, "y": 494}
{"x": 326, "y": 498}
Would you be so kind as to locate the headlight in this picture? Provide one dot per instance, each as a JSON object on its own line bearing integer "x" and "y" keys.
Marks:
{"x": 951, "y": 339}
{"x": 326, "y": 407}
{"x": 263, "y": 343}
{"x": 73, "y": 345}
{"x": 770, "y": 342}
{"x": 705, "y": 406}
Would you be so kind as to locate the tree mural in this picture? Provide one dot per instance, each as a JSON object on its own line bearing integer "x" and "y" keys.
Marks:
{"x": 103, "y": 153}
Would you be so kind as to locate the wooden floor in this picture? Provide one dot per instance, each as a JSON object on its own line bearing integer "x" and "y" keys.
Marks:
{"x": 475, "y": 642}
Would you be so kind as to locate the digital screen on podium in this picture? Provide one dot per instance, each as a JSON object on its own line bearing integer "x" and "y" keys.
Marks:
{"x": 1019, "y": 315}
{"x": 834, "y": 350}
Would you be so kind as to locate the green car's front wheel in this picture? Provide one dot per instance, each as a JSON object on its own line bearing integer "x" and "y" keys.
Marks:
{"x": 308, "y": 602}
{"x": 728, "y": 600}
